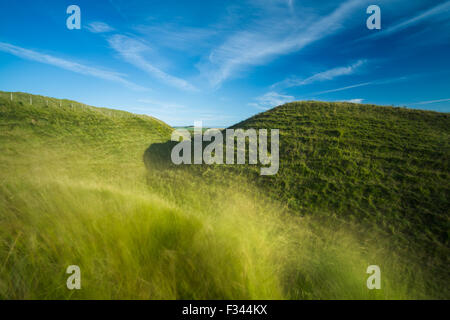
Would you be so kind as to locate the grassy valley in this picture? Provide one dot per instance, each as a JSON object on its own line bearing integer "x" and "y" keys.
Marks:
{"x": 82, "y": 186}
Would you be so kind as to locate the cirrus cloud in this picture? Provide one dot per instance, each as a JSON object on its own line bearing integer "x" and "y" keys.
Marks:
{"x": 68, "y": 65}
{"x": 270, "y": 100}
{"x": 132, "y": 51}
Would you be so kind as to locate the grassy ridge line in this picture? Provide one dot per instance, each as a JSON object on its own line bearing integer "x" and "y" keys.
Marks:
{"x": 23, "y": 99}
{"x": 77, "y": 142}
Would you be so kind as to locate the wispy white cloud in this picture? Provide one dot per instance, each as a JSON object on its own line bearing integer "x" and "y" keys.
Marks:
{"x": 290, "y": 4}
{"x": 132, "y": 51}
{"x": 68, "y": 65}
{"x": 346, "y": 87}
{"x": 431, "y": 101}
{"x": 99, "y": 27}
{"x": 363, "y": 84}
{"x": 441, "y": 9}
{"x": 269, "y": 38}
{"x": 178, "y": 37}
{"x": 353, "y": 100}
{"x": 321, "y": 76}
{"x": 270, "y": 100}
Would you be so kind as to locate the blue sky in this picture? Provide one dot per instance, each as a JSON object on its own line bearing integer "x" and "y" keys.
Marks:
{"x": 223, "y": 61}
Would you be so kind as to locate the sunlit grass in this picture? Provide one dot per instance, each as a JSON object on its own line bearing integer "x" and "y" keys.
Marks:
{"x": 133, "y": 244}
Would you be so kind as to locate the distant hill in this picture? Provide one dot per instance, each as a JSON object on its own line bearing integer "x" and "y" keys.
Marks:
{"x": 69, "y": 137}
{"x": 62, "y": 118}
{"x": 384, "y": 166}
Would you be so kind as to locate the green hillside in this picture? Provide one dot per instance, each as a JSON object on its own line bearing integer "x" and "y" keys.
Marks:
{"x": 385, "y": 168}
{"x": 82, "y": 186}
{"x": 73, "y": 137}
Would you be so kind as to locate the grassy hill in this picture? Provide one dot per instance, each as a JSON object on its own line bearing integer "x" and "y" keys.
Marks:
{"x": 75, "y": 191}
{"x": 385, "y": 168}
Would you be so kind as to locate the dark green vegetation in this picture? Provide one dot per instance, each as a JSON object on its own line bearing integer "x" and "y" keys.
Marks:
{"x": 385, "y": 168}
{"x": 75, "y": 190}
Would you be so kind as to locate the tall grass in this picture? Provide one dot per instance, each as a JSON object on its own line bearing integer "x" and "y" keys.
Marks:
{"x": 220, "y": 242}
